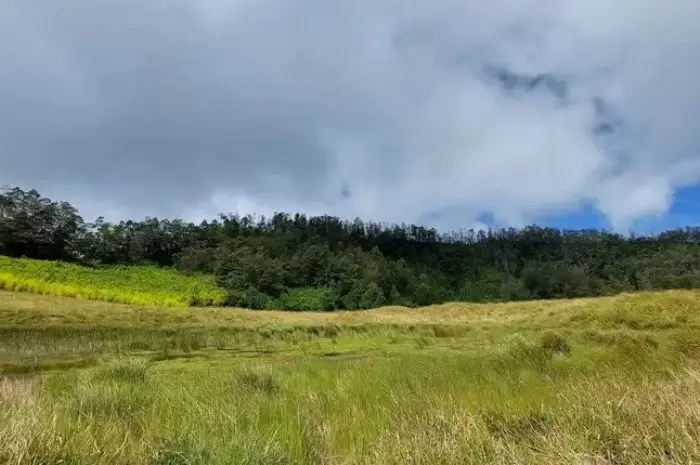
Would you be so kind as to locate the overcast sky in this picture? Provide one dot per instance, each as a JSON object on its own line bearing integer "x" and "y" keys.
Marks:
{"x": 400, "y": 110}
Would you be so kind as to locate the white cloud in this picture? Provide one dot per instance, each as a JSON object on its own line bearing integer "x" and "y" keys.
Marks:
{"x": 271, "y": 105}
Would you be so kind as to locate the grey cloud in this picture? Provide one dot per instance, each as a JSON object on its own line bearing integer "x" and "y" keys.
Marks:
{"x": 146, "y": 98}
{"x": 512, "y": 82}
{"x": 193, "y": 107}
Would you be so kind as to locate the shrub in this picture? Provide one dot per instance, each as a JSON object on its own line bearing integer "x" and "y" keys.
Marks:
{"x": 310, "y": 299}
{"x": 249, "y": 297}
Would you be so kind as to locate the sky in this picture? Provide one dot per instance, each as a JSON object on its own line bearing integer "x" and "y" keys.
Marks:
{"x": 450, "y": 113}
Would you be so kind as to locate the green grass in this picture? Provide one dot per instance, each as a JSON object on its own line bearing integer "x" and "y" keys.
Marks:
{"x": 140, "y": 285}
{"x": 592, "y": 381}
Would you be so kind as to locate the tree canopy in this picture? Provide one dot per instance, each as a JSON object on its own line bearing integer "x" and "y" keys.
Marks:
{"x": 299, "y": 262}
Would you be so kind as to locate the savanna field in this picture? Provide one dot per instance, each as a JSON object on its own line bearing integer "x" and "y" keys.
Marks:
{"x": 613, "y": 380}
{"x": 306, "y": 232}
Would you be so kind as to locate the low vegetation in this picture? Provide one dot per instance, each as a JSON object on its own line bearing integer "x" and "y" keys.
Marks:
{"x": 136, "y": 285}
{"x": 604, "y": 381}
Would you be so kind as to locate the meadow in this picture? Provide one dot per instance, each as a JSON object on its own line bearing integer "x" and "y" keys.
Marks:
{"x": 591, "y": 381}
{"x": 136, "y": 285}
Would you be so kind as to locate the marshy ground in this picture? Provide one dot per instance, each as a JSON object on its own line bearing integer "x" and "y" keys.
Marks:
{"x": 591, "y": 381}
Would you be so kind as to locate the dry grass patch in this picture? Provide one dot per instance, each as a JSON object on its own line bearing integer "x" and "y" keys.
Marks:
{"x": 658, "y": 310}
{"x": 18, "y": 391}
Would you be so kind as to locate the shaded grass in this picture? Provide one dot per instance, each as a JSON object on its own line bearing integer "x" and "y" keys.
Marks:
{"x": 140, "y": 285}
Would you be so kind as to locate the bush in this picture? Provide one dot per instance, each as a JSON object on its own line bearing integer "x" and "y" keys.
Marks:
{"x": 310, "y": 299}
{"x": 249, "y": 297}
{"x": 372, "y": 296}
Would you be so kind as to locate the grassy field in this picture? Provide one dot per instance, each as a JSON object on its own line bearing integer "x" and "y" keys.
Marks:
{"x": 592, "y": 381}
{"x": 128, "y": 285}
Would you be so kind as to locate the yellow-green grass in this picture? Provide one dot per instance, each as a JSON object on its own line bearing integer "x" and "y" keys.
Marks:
{"x": 137, "y": 285}
{"x": 592, "y": 381}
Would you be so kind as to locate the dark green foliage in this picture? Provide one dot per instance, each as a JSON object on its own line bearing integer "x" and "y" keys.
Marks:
{"x": 248, "y": 297}
{"x": 294, "y": 262}
{"x": 313, "y": 299}
{"x": 35, "y": 227}
{"x": 484, "y": 287}
{"x": 372, "y": 296}
{"x": 514, "y": 289}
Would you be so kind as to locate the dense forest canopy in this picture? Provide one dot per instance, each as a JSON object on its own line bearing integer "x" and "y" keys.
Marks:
{"x": 291, "y": 261}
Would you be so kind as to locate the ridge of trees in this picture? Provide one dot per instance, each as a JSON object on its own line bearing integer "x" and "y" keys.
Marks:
{"x": 291, "y": 261}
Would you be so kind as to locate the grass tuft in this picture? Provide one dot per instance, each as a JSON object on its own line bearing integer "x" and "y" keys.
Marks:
{"x": 179, "y": 452}
{"x": 525, "y": 428}
{"x": 131, "y": 370}
{"x": 258, "y": 380}
{"x": 554, "y": 344}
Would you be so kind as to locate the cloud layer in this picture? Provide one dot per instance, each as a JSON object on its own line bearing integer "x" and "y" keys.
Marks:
{"x": 386, "y": 109}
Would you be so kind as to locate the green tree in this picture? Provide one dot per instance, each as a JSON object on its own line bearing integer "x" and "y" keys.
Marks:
{"x": 372, "y": 296}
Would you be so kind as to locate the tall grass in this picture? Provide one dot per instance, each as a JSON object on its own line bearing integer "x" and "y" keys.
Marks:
{"x": 610, "y": 381}
{"x": 140, "y": 285}
{"x": 427, "y": 408}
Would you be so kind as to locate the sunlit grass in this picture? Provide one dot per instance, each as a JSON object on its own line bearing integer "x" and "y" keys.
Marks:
{"x": 592, "y": 381}
{"x": 128, "y": 285}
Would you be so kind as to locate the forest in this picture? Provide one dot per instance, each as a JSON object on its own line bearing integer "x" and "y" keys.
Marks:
{"x": 317, "y": 263}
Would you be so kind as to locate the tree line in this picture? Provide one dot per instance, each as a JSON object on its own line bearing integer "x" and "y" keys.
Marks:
{"x": 293, "y": 261}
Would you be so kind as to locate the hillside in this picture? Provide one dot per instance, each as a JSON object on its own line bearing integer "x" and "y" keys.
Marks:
{"x": 138, "y": 285}
{"x": 606, "y": 381}
{"x": 294, "y": 262}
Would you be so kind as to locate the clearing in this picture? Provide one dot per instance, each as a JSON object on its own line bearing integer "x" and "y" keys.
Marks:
{"x": 590, "y": 381}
